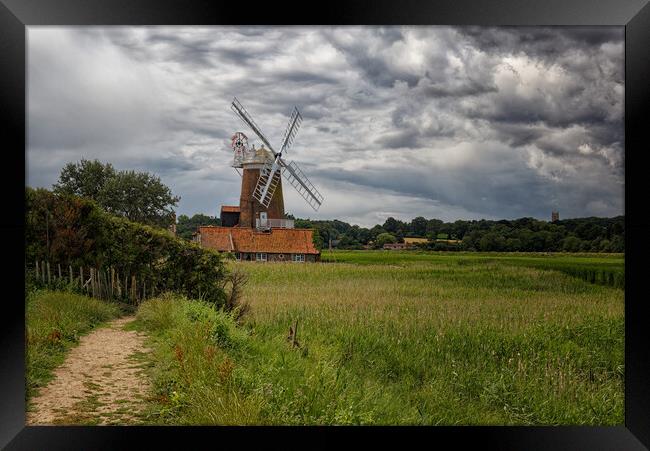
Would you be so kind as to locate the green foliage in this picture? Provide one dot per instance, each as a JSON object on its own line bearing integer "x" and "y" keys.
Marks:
{"x": 195, "y": 380}
{"x": 137, "y": 196}
{"x": 78, "y": 233}
{"x": 519, "y": 235}
{"x": 186, "y": 226}
{"x": 84, "y": 179}
{"x": 384, "y": 238}
{"x": 55, "y": 320}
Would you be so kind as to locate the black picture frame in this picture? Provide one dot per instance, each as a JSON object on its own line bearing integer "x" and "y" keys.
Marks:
{"x": 16, "y": 15}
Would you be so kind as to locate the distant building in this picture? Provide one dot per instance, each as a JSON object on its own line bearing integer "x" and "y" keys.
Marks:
{"x": 555, "y": 216}
{"x": 396, "y": 246}
{"x": 230, "y": 215}
{"x": 408, "y": 240}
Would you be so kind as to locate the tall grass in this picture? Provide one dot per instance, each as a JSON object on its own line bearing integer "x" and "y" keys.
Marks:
{"x": 601, "y": 269}
{"x": 55, "y": 320}
{"x": 413, "y": 339}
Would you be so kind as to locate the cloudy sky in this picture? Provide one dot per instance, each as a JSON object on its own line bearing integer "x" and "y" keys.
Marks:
{"x": 451, "y": 123}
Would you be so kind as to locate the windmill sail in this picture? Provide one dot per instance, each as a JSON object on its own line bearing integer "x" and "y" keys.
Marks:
{"x": 269, "y": 178}
{"x": 267, "y": 182}
{"x": 292, "y": 128}
{"x": 238, "y": 108}
{"x": 301, "y": 183}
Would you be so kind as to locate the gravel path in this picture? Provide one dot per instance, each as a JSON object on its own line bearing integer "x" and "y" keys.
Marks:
{"x": 102, "y": 381}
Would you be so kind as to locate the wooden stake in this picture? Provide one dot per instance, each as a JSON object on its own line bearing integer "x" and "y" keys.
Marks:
{"x": 49, "y": 278}
{"x": 295, "y": 333}
{"x": 38, "y": 271}
{"x": 71, "y": 280}
{"x": 112, "y": 281}
{"x": 92, "y": 281}
{"x": 98, "y": 280}
{"x": 60, "y": 277}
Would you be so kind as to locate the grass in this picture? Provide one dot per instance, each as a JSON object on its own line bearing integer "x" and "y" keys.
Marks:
{"x": 54, "y": 321}
{"x": 602, "y": 269}
{"x": 398, "y": 338}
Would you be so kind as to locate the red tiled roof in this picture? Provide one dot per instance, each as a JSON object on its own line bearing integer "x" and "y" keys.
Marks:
{"x": 230, "y": 209}
{"x": 240, "y": 239}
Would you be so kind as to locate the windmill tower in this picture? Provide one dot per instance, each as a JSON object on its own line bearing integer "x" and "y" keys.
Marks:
{"x": 261, "y": 201}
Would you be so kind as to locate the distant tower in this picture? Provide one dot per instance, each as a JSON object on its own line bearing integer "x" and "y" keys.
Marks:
{"x": 555, "y": 216}
{"x": 250, "y": 208}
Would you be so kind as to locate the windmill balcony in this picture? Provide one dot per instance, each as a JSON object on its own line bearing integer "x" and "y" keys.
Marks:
{"x": 273, "y": 223}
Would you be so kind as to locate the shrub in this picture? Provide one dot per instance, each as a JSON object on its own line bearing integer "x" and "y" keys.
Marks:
{"x": 75, "y": 231}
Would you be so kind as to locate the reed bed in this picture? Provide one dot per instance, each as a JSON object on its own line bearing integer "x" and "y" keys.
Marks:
{"x": 408, "y": 339}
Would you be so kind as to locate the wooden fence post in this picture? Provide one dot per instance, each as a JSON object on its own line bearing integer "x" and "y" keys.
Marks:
{"x": 92, "y": 281}
{"x": 49, "y": 278}
{"x": 60, "y": 277}
{"x": 43, "y": 270}
{"x": 38, "y": 271}
{"x": 112, "y": 281}
{"x": 99, "y": 283}
{"x": 71, "y": 279}
{"x": 81, "y": 277}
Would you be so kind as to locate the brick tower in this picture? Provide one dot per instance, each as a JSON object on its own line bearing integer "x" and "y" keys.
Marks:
{"x": 250, "y": 209}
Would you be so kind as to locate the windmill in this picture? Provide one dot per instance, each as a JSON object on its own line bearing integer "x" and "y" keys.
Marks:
{"x": 267, "y": 187}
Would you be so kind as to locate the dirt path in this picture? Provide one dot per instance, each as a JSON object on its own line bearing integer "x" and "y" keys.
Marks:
{"x": 100, "y": 382}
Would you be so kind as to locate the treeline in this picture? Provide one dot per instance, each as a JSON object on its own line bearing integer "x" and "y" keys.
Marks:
{"x": 68, "y": 230}
{"x": 519, "y": 235}
{"x": 186, "y": 226}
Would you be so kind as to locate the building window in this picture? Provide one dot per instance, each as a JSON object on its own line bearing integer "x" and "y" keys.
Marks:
{"x": 238, "y": 256}
{"x": 298, "y": 257}
{"x": 260, "y": 256}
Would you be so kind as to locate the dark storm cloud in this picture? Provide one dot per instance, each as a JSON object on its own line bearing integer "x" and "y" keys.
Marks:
{"x": 437, "y": 121}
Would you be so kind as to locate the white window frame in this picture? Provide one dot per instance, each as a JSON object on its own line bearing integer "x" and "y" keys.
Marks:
{"x": 260, "y": 256}
{"x": 238, "y": 256}
{"x": 298, "y": 258}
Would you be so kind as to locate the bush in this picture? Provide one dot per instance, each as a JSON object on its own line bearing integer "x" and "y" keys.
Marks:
{"x": 75, "y": 231}
{"x": 195, "y": 377}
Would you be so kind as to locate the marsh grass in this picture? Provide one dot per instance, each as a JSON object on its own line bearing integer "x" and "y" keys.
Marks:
{"x": 55, "y": 320}
{"x": 415, "y": 339}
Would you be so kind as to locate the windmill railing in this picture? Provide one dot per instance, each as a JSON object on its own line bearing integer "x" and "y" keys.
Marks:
{"x": 274, "y": 223}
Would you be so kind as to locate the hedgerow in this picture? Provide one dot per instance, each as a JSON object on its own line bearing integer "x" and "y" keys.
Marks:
{"x": 74, "y": 231}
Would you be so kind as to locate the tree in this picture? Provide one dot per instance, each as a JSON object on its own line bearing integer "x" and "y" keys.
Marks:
{"x": 140, "y": 197}
{"x": 84, "y": 179}
{"x": 186, "y": 226}
{"x": 384, "y": 238}
{"x": 419, "y": 226}
{"x": 571, "y": 244}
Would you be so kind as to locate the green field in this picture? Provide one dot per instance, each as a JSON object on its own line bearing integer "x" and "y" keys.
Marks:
{"x": 401, "y": 338}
